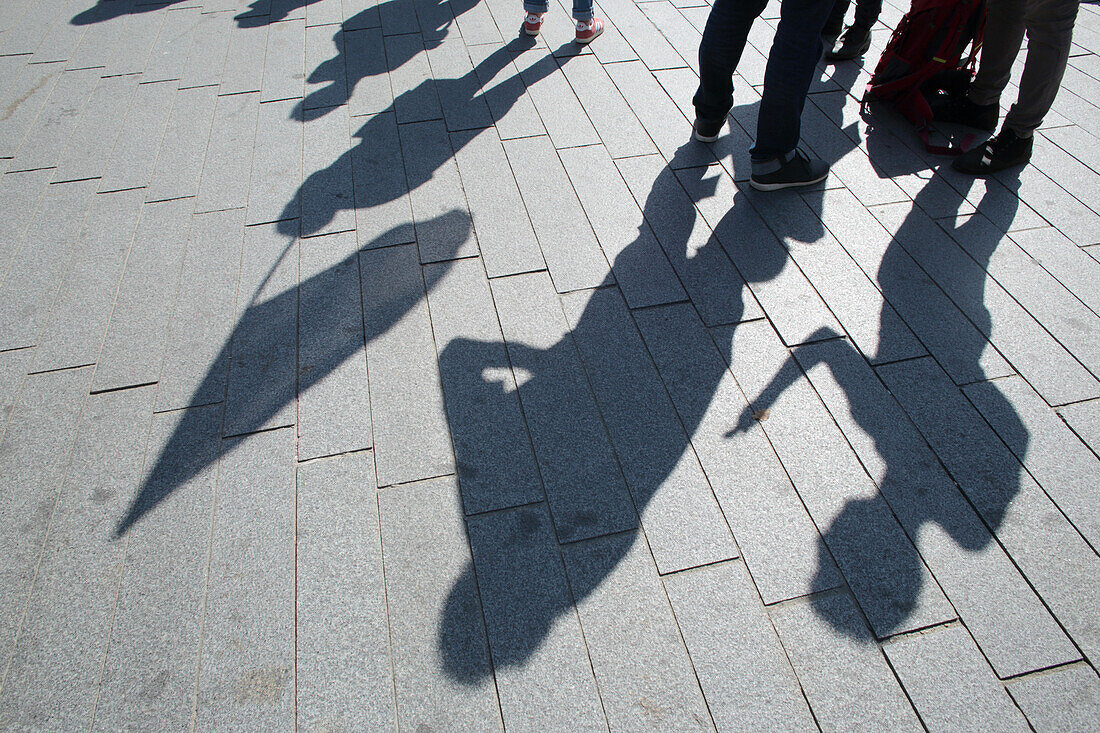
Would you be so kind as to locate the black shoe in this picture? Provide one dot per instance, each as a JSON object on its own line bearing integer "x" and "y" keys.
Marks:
{"x": 960, "y": 110}
{"x": 853, "y": 43}
{"x": 707, "y": 131}
{"x": 799, "y": 170}
{"x": 1004, "y": 150}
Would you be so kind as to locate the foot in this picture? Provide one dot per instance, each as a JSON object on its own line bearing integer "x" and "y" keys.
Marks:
{"x": 853, "y": 43}
{"x": 532, "y": 24}
{"x": 1004, "y": 150}
{"x": 795, "y": 170}
{"x": 707, "y": 131}
{"x": 959, "y": 110}
{"x": 588, "y": 30}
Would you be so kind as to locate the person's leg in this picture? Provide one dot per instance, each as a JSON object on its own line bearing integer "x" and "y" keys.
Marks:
{"x": 724, "y": 39}
{"x": 1049, "y": 35}
{"x": 582, "y": 10}
{"x": 867, "y": 12}
{"x": 536, "y": 6}
{"x": 835, "y": 24}
{"x": 1004, "y": 33}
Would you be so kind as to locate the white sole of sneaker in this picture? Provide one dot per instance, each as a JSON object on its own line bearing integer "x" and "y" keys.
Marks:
{"x": 704, "y": 138}
{"x": 778, "y": 186}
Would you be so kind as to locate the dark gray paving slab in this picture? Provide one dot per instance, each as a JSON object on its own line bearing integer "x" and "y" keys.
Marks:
{"x": 333, "y": 400}
{"x": 1063, "y": 699}
{"x": 1060, "y": 565}
{"x": 542, "y": 668}
{"x": 641, "y": 268}
{"x": 619, "y": 129}
{"x": 1066, "y": 261}
{"x": 244, "y": 59}
{"x": 181, "y": 155}
{"x": 23, "y": 100}
{"x": 439, "y": 208}
{"x": 745, "y": 675}
{"x": 1084, "y": 419}
{"x": 568, "y": 244}
{"x": 496, "y": 464}
{"x": 341, "y": 633}
{"x": 197, "y": 356}
{"x": 561, "y": 112}
{"x": 368, "y": 84}
{"x": 284, "y": 66}
{"x": 441, "y": 666}
{"x": 247, "y": 674}
{"x": 383, "y": 214}
{"x": 209, "y": 49}
{"x": 411, "y": 438}
{"x": 950, "y": 684}
{"x": 135, "y": 152}
{"x": 228, "y": 163}
{"x": 133, "y": 347}
{"x": 414, "y": 90}
{"x": 169, "y": 54}
{"x": 681, "y": 518}
{"x": 93, "y": 137}
{"x": 505, "y": 92}
{"x": 583, "y": 481}
{"x": 646, "y": 680}
{"x": 398, "y": 18}
{"x": 47, "y": 136}
{"x": 273, "y": 189}
{"x": 458, "y": 86}
{"x": 328, "y": 199}
{"x": 843, "y": 674}
{"x": 78, "y": 318}
{"x": 53, "y": 677}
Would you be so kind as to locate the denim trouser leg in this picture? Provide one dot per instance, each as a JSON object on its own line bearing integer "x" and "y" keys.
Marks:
{"x": 724, "y": 39}
{"x": 867, "y": 12}
{"x": 582, "y": 9}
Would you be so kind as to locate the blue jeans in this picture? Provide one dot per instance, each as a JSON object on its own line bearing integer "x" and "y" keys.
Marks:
{"x": 794, "y": 55}
{"x": 582, "y": 9}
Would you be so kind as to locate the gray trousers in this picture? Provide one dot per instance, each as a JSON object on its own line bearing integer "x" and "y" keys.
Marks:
{"x": 1049, "y": 27}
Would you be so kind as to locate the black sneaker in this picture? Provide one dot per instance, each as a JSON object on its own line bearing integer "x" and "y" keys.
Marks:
{"x": 799, "y": 170}
{"x": 961, "y": 111}
{"x": 853, "y": 43}
{"x": 1004, "y": 150}
{"x": 707, "y": 131}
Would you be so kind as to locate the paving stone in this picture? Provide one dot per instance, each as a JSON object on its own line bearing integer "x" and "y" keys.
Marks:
{"x": 248, "y": 663}
{"x": 496, "y": 465}
{"x": 1067, "y": 172}
{"x": 435, "y": 190}
{"x": 843, "y": 674}
{"x": 646, "y": 679}
{"x": 621, "y": 132}
{"x": 284, "y": 69}
{"x": 29, "y": 28}
{"x": 505, "y": 92}
{"x": 543, "y": 672}
{"x": 1077, "y": 142}
{"x": 477, "y": 26}
{"x": 383, "y": 213}
{"x": 209, "y": 50}
{"x": 705, "y": 270}
{"x": 273, "y": 190}
{"x": 745, "y": 676}
{"x": 464, "y": 108}
{"x": 1060, "y": 208}
{"x": 180, "y": 159}
{"x": 643, "y": 36}
{"x": 1057, "y": 561}
{"x": 1007, "y": 619}
{"x": 570, "y": 248}
{"x": 225, "y": 172}
{"x": 197, "y": 357}
{"x": 411, "y": 438}
{"x": 360, "y": 14}
{"x": 53, "y": 677}
{"x": 46, "y": 138}
{"x": 677, "y": 30}
{"x": 767, "y": 517}
{"x": 133, "y": 348}
{"x": 244, "y": 60}
{"x": 327, "y": 196}
{"x": 1063, "y": 699}
{"x": 414, "y": 91}
{"x": 23, "y": 100}
{"x": 565, "y": 119}
{"x": 325, "y": 57}
{"x": 682, "y": 519}
{"x": 98, "y": 40}
{"x": 78, "y": 318}
{"x": 1084, "y": 419}
{"x": 135, "y": 153}
{"x": 20, "y": 194}
{"x": 398, "y": 18}
{"x": 950, "y": 684}
{"x": 640, "y": 266}
{"x": 58, "y": 43}
{"x": 14, "y": 365}
{"x": 169, "y": 54}
{"x": 1066, "y": 261}
{"x": 342, "y": 644}
{"x": 368, "y": 83}
{"x": 333, "y": 400}
{"x": 583, "y": 482}
{"x": 324, "y": 13}
{"x": 141, "y": 31}
{"x": 93, "y": 137}
{"x": 884, "y": 571}
{"x": 441, "y": 666}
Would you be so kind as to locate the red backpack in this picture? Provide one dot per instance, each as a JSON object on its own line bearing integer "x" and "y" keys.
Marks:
{"x": 924, "y": 59}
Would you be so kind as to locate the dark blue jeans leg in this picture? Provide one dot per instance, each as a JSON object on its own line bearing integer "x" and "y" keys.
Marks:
{"x": 795, "y": 52}
{"x": 724, "y": 39}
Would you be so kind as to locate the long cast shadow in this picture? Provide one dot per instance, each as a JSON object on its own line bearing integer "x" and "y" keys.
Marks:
{"x": 261, "y": 12}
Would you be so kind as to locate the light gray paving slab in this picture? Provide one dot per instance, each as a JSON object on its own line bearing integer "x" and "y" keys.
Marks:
{"x": 677, "y": 30}
{"x": 950, "y": 684}
{"x": 325, "y": 61}
{"x": 273, "y": 189}
{"x": 99, "y": 38}
{"x": 62, "y": 37}
{"x": 779, "y": 541}
{"x": 140, "y": 31}
{"x": 441, "y": 666}
{"x": 29, "y": 28}
{"x": 247, "y": 671}
{"x": 1066, "y": 699}
{"x": 368, "y": 82}
{"x": 477, "y": 26}
{"x": 1060, "y": 565}
{"x": 225, "y": 172}
{"x": 47, "y": 136}
{"x": 411, "y": 438}
{"x": 328, "y": 197}
{"x": 570, "y": 248}
{"x": 505, "y": 92}
{"x": 646, "y": 680}
{"x": 652, "y": 47}
{"x": 133, "y": 348}
{"x": 333, "y": 400}
{"x": 330, "y": 12}
{"x": 14, "y": 365}
{"x": 679, "y": 512}
{"x": 1068, "y": 172}
{"x": 169, "y": 53}
{"x": 87, "y": 150}
{"x": 135, "y": 152}
{"x": 1084, "y": 419}
{"x": 705, "y": 270}
{"x": 543, "y": 672}
{"x": 737, "y": 656}
{"x": 464, "y": 108}
{"x": 583, "y": 482}
{"x": 209, "y": 50}
{"x": 20, "y": 196}
{"x": 245, "y": 59}
{"x": 23, "y": 100}
{"x": 78, "y": 318}
{"x": 1009, "y": 622}
{"x": 262, "y": 383}
{"x": 181, "y": 155}
{"x": 843, "y": 674}
{"x": 496, "y": 465}
{"x": 360, "y": 14}
{"x": 383, "y": 213}
{"x": 197, "y": 357}
{"x": 284, "y": 66}
{"x": 884, "y": 571}
{"x": 1059, "y": 207}
{"x": 1066, "y": 261}
{"x": 1077, "y": 142}
{"x": 621, "y": 132}
{"x": 561, "y": 112}
{"x": 52, "y": 680}
{"x": 640, "y": 266}
{"x": 414, "y": 92}
{"x": 435, "y": 191}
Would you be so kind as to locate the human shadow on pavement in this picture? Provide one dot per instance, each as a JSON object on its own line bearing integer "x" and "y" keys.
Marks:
{"x": 261, "y": 12}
